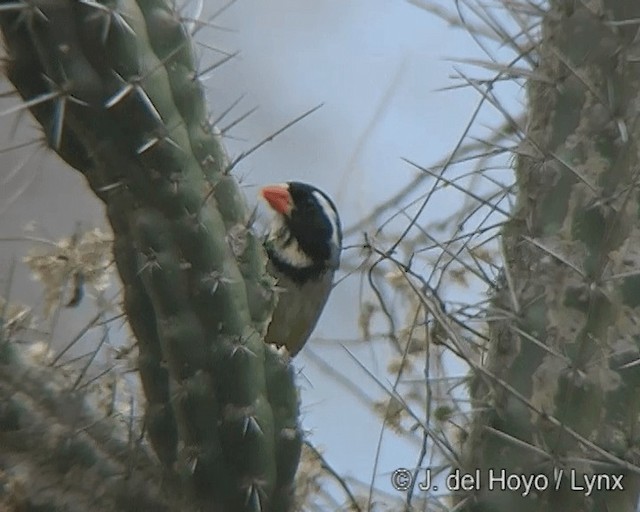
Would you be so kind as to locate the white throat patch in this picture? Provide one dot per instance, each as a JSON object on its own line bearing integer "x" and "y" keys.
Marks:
{"x": 287, "y": 248}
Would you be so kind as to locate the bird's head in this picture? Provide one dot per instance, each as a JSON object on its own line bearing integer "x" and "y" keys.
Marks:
{"x": 305, "y": 236}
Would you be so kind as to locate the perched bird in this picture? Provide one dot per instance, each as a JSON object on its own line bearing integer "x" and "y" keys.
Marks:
{"x": 303, "y": 244}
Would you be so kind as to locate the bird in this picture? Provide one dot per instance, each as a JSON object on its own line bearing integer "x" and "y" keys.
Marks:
{"x": 303, "y": 245}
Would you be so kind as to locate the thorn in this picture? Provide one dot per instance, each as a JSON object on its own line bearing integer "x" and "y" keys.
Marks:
{"x": 214, "y": 66}
{"x": 193, "y": 17}
{"x": 36, "y": 100}
{"x": 251, "y": 423}
{"x": 223, "y": 131}
{"x": 110, "y": 14}
{"x": 255, "y": 495}
{"x": 214, "y": 122}
{"x": 200, "y": 24}
{"x": 214, "y": 279}
{"x": 27, "y": 12}
{"x": 462, "y": 189}
{"x": 147, "y": 145}
{"x": 151, "y": 263}
{"x": 241, "y": 348}
{"x": 252, "y": 150}
{"x": 110, "y": 187}
{"x": 136, "y": 84}
{"x": 118, "y": 96}
{"x": 555, "y": 255}
{"x": 153, "y": 141}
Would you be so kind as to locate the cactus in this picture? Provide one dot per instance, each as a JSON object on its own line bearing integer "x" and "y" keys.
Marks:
{"x": 61, "y": 452}
{"x": 559, "y": 392}
{"x": 115, "y": 87}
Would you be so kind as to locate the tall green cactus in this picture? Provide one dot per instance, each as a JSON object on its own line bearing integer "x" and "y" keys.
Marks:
{"x": 115, "y": 87}
{"x": 559, "y": 395}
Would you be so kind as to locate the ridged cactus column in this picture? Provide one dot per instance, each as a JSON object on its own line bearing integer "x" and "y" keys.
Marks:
{"x": 558, "y": 399}
{"x": 115, "y": 88}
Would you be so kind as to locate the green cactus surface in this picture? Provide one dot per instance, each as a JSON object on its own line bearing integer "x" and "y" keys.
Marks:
{"x": 115, "y": 87}
{"x": 559, "y": 395}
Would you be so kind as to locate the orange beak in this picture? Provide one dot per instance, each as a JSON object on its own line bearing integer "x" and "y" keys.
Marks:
{"x": 278, "y": 198}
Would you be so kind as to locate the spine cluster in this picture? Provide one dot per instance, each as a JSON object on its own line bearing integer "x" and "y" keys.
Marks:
{"x": 115, "y": 87}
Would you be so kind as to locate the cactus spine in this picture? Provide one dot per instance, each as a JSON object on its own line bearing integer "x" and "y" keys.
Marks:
{"x": 560, "y": 388}
{"x": 115, "y": 87}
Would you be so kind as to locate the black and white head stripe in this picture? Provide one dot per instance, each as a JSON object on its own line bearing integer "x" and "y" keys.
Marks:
{"x": 308, "y": 236}
{"x": 314, "y": 221}
{"x": 332, "y": 214}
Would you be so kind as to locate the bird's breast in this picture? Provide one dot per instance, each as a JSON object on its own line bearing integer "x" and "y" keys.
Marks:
{"x": 298, "y": 309}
